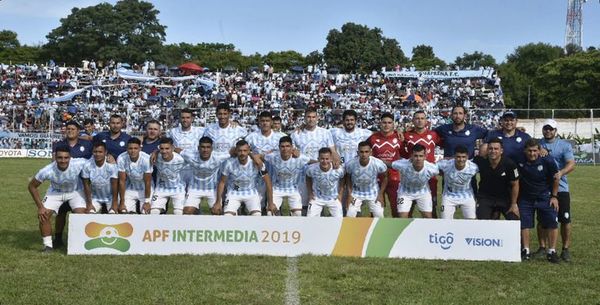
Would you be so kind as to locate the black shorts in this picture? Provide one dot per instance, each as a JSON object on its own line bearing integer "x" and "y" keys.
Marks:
{"x": 564, "y": 207}
{"x": 491, "y": 208}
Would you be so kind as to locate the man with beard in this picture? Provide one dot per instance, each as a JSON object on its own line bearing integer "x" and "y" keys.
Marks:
{"x": 115, "y": 140}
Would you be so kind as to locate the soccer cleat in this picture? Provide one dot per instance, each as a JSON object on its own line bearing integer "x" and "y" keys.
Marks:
{"x": 57, "y": 243}
{"x": 47, "y": 250}
{"x": 524, "y": 255}
{"x": 541, "y": 251}
{"x": 553, "y": 257}
{"x": 565, "y": 255}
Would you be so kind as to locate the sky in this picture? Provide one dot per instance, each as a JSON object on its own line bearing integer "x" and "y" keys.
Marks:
{"x": 451, "y": 27}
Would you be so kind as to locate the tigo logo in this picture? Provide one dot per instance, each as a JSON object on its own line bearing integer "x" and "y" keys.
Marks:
{"x": 483, "y": 242}
{"x": 108, "y": 236}
{"x": 445, "y": 241}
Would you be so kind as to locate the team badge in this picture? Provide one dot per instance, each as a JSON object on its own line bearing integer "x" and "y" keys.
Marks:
{"x": 540, "y": 168}
{"x": 122, "y": 143}
{"x": 81, "y": 148}
{"x": 500, "y": 138}
{"x": 428, "y": 137}
{"x": 519, "y": 140}
{"x": 395, "y": 141}
{"x": 468, "y": 132}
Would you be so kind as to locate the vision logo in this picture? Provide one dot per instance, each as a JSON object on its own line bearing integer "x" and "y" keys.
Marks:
{"x": 444, "y": 240}
{"x": 108, "y": 236}
{"x": 483, "y": 242}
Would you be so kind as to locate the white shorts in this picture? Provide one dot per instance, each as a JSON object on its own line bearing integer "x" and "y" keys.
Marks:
{"x": 99, "y": 203}
{"x": 233, "y": 203}
{"x": 374, "y": 207}
{"x": 131, "y": 198}
{"x": 315, "y": 207}
{"x": 194, "y": 198}
{"x": 294, "y": 200}
{"x": 54, "y": 201}
{"x": 467, "y": 206}
{"x": 159, "y": 200}
{"x": 424, "y": 202}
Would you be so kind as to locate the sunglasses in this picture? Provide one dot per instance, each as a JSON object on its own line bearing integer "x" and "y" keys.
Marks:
{"x": 547, "y": 128}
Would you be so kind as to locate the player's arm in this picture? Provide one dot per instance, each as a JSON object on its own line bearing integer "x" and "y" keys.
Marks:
{"x": 569, "y": 167}
{"x": 43, "y": 213}
{"x": 514, "y": 195}
{"x": 218, "y": 207}
{"x": 335, "y": 156}
{"x": 309, "y": 184}
{"x": 554, "y": 193}
{"x": 340, "y": 189}
{"x": 87, "y": 191}
{"x": 114, "y": 190}
{"x": 382, "y": 187}
{"x": 269, "y": 190}
{"x": 147, "y": 191}
{"x": 348, "y": 184}
{"x": 122, "y": 180}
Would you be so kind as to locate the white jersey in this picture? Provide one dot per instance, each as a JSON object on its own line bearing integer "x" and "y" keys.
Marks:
{"x": 100, "y": 178}
{"x": 457, "y": 183}
{"x": 412, "y": 182}
{"x": 168, "y": 174}
{"x": 224, "y": 138}
{"x": 186, "y": 139}
{"x": 135, "y": 170}
{"x": 62, "y": 181}
{"x": 325, "y": 185}
{"x": 264, "y": 145}
{"x": 309, "y": 142}
{"x": 346, "y": 143}
{"x": 284, "y": 173}
{"x": 206, "y": 173}
{"x": 364, "y": 178}
{"x": 241, "y": 179}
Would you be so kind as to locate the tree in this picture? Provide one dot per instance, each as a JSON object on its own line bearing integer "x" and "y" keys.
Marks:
{"x": 8, "y": 40}
{"x": 129, "y": 31}
{"x": 284, "y": 60}
{"x": 475, "y": 60}
{"x": 359, "y": 48}
{"x": 423, "y": 58}
{"x": 11, "y": 50}
{"x": 314, "y": 58}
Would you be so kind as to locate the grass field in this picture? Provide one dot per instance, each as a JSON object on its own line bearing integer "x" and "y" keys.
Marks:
{"x": 29, "y": 277}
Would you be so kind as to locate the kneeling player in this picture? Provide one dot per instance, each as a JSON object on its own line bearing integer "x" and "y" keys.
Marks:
{"x": 135, "y": 178}
{"x": 458, "y": 191}
{"x": 100, "y": 181}
{"x": 361, "y": 180}
{"x": 324, "y": 184}
{"x": 169, "y": 181}
{"x": 65, "y": 186}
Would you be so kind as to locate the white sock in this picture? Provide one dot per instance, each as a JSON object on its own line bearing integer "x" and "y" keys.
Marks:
{"x": 526, "y": 250}
{"x": 47, "y": 241}
{"x": 551, "y": 250}
{"x": 177, "y": 212}
{"x": 155, "y": 212}
{"x": 256, "y": 214}
{"x": 297, "y": 213}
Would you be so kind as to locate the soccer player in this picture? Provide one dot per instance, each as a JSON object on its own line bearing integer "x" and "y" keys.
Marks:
{"x": 223, "y": 133}
{"x": 65, "y": 186}
{"x": 421, "y": 134}
{"x": 414, "y": 184}
{"x": 115, "y": 139}
{"x": 513, "y": 140}
{"x": 538, "y": 193}
{"x": 151, "y": 137}
{"x": 562, "y": 153}
{"x": 361, "y": 180}
{"x": 169, "y": 182}
{"x": 88, "y": 132}
{"x": 346, "y": 139}
{"x": 498, "y": 184}
{"x": 100, "y": 182}
{"x": 325, "y": 183}
{"x": 387, "y": 146}
{"x": 135, "y": 177}
{"x": 458, "y": 191}
{"x": 239, "y": 174}
{"x": 186, "y": 136}
{"x": 205, "y": 172}
{"x": 285, "y": 170}
{"x": 459, "y": 132}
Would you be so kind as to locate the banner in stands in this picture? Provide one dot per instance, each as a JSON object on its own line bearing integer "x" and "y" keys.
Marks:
{"x": 26, "y": 153}
{"x": 483, "y": 73}
{"x": 291, "y": 236}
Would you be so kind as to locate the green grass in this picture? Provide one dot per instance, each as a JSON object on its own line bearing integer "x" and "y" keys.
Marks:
{"x": 28, "y": 277}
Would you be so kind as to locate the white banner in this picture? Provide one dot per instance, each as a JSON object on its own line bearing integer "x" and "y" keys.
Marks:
{"x": 483, "y": 73}
{"x": 26, "y": 153}
{"x": 291, "y": 236}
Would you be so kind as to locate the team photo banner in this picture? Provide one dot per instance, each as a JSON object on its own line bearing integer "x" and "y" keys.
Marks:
{"x": 484, "y": 73}
{"x": 292, "y": 236}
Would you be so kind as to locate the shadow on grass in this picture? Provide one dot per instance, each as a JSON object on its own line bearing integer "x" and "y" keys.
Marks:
{"x": 22, "y": 240}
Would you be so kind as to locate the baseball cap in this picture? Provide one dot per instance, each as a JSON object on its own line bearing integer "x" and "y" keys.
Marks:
{"x": 550, "y": 122}
{"x": 509, "y": 113}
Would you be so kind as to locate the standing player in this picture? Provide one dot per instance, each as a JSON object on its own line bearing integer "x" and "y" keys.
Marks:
{"x": 513, "y": 140}
{"x": 460, "y": 133}
{"x": 100, "y": 182}
{"x": 346, "y": 139}
{"x": 414, "y": 184}
{"x": 325, "y": 184}
{"x": 562, "y": 153}
{"x": 115, "y": 140}
{"x": 361, "y": 180}
{"x": 239, "y": 174}
{"x": 285, "y": 170}
{"x": 421, "y": 134}
{"x": 223, "y": 133}
{"x": 186, "y": 136}
{"x": 205, "y": 172}
{"x": 151, "y": 137}
{"x": 65, "y": 186}
{"x": 169, "y": 182}
{"x": 387, "y": 146}
{"x": 458, "y": 191}
{"x": 538, "y": 193}
{"x": 135, "y": 177}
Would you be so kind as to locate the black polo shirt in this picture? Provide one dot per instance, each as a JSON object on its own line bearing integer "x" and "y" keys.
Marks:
{"x": 496, "y": 182}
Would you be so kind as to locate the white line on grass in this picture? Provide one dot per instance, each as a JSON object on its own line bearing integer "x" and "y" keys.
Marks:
{"x": 291, "y": 282}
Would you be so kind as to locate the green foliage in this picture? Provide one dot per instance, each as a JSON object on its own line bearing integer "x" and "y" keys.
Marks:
{"x": 11, "y": 50}
{"x": 129, "y": 31}
{"x": 359, "y": 48}
{"x": 475, "y": 60}
{"x": 284, "y": 60}
{"x": 314, "y": 58}
{"x": 423, "y": 58}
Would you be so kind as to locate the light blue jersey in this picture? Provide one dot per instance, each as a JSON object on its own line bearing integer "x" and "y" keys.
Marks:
{"x": 168, "y": 176}
{"x": 325, "y": 185}
{"x": 241, "y": 179}
{"x": 309, "y": 142}
{"x": 135, "y": 170}
{"x": 100, "y": 179}
{"x": 457, "y": 183}
{"x": 62, "y": 181}
{"x": 364, "y": 178}
{"x": 259, "y": 144}
{"x": 413, "y": 183}
{"x": 346, "y": 143}
{"x": 561, "y": 151}
{"x": 186, "y": 139}
{"x": 224, "y": 138}
{"x": 205, "y": 172}
{"x": 285, "y": 173}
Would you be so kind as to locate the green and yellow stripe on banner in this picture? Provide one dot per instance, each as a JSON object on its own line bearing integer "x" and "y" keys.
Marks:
{"x": 353, "y": 234}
